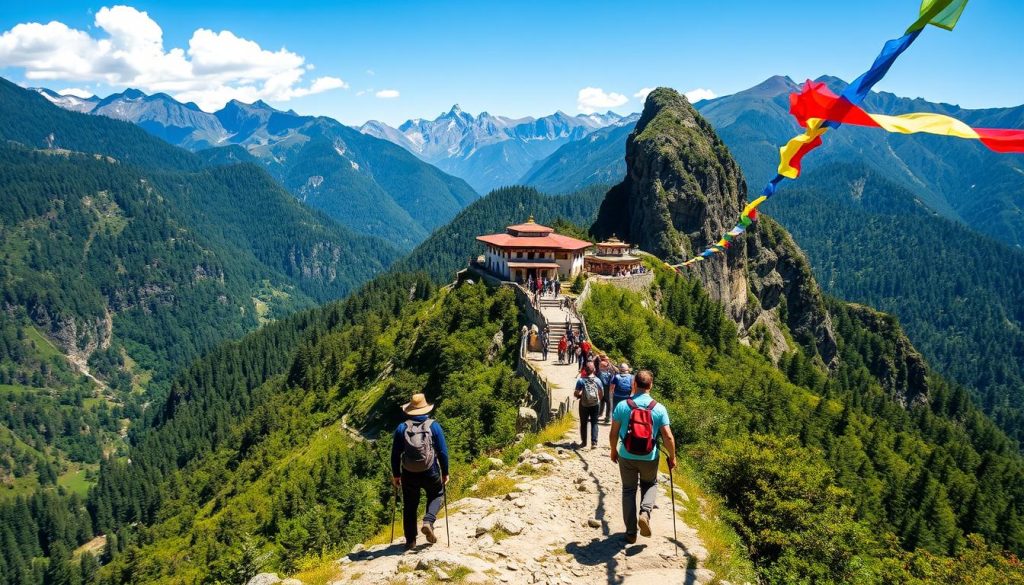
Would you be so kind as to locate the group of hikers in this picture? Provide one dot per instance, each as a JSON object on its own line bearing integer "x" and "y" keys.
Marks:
{"x": 419, "y": 454}
{"x": 573, "y": 346}
{"x": 630, "y": 272}
{"x": 543, "y": 286}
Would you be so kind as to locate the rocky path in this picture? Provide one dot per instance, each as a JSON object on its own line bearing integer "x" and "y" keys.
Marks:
{"x": 562, "y": 524}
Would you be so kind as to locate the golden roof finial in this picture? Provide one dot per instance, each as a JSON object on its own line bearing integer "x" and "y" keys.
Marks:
{"x": 530, "y": 219}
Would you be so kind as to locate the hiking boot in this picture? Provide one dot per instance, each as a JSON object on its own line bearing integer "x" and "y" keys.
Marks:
{"x": 428, "y": 530}
{"x": 644, "y": 522}
{"x": 630, "y": 539}
{"x": 593, "y": 446}
{"x": 410, "y": 546}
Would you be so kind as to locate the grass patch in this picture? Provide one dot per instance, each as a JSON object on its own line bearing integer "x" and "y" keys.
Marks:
{"x": 322, "y": 574}
{"x": 43, "y": 345}
{"x": 499, "y": 535}
{"x": 75, "y": 481}
{"x": 528, "y": 469}
{"x": 498, "y": 485}
{"x": 726, "y": 553}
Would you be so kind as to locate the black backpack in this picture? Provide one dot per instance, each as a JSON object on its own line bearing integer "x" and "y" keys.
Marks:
{"x": 418, "y": 454}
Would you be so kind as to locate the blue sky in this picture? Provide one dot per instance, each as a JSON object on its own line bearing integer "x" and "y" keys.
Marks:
{"x": 514, "y": 59}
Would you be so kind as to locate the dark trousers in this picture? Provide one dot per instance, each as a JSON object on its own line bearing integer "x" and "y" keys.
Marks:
{"x": 412, "y": 484}
{"x": 588, "y": 416}
{"x": 606, "y": 407}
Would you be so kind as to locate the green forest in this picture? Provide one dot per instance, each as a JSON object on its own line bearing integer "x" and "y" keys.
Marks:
{"x": 960, "y": 295}
{"x": 134, "y": 262}
{"x": 248, "y": 457}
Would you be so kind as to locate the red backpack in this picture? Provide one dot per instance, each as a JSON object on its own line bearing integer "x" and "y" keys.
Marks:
{"x": 640, "y": 439}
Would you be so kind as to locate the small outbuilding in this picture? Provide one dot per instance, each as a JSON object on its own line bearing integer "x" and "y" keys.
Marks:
{"x": 612, "y": 258}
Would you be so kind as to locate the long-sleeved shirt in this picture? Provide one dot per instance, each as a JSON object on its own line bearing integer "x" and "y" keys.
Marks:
{"x": 440, "y": 448}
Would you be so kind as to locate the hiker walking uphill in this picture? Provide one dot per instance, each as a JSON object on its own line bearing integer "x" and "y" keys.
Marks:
{"x": 419, "y": 462}
{"x": 622, "y": 385}
{"x": 590, "y": 393}
{"x": 605, "y": 373}
{"x": 637, "y": 423}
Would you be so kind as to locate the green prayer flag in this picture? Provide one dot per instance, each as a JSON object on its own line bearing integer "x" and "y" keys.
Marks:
{"x": 940, "y": 13}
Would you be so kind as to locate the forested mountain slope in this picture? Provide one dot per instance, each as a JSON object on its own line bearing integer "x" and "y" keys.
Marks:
{"x": 959, "y": 295}
{"x": 133, "y": 262}
{"x": 249, "y": 454}
{"x": 364, "y": 183}
{"x": 449, "y": 248}
{"x": 874, "y": 472}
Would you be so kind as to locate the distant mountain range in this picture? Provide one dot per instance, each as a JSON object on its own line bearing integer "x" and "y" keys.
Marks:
{"x": 367, "y": 184}
{"x": 491, "y": 151}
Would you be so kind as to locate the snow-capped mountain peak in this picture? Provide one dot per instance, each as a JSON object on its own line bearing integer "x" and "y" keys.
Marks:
{"x": 488, "y": 150}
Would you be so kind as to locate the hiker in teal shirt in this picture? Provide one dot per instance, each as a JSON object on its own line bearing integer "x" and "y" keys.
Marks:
{"x": 640, "y": 468}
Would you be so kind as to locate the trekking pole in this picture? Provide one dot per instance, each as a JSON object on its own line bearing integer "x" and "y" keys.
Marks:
{"x": 394, "y": 510}
{"x": 447, "y": 519}
{"x": 672, "y": 496}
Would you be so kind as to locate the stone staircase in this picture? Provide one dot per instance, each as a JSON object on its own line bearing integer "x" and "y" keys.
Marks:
{"x": 557, "y": 326}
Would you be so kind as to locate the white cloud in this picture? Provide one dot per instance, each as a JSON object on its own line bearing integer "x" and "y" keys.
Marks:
{"x": 642, "y": 93}
{"x": 76, "y": 91}
{"x": 387, "y": 94}
{"x": 592, "y": 99}
{"x": 128, "y": 51}
{"x": 695, "y": 95}
{"x": 371, "y": 72}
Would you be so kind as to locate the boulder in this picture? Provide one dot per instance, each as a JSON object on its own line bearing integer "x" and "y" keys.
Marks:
{"x": 510, "y": 524}
{"x": 265, "y": 579}
{"x": 486, "y": 525}
{"x": 544, "y": 458}
{"x": 495, "y": 462}
{"x": 527, "y": 419}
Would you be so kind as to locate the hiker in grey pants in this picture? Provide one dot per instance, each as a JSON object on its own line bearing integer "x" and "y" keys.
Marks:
{"x": 640, "y": 468}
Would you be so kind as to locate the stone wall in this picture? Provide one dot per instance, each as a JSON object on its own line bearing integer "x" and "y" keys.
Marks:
{"x": 540, "y": 394}
{"x": 634, "y": 282}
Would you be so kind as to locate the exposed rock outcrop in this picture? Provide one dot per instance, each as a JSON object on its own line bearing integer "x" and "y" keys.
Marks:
{"x": 681, "y": 192}
{"x": 897, "y": 365}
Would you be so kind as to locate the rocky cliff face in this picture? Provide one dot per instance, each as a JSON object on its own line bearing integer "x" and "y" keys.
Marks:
{"x": 682, "y": 190}
{"x": 897, "y": 364}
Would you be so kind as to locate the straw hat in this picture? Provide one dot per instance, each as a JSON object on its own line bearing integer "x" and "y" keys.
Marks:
{"x": 417, "y": 406}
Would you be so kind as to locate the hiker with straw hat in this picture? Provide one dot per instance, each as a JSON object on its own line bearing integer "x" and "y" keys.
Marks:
{"x": 419, "y": 462}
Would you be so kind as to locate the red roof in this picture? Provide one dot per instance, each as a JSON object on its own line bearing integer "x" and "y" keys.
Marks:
{"x": 550, "y": 242}
{"x": 530, "y": 227}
